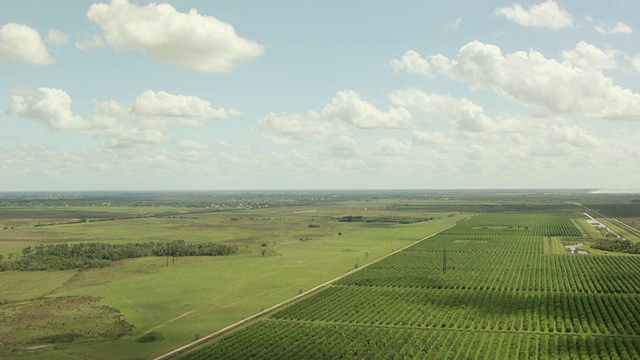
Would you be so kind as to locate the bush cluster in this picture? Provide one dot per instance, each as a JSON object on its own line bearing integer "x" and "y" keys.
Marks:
{"x": 97, "y": 255}
{"x": 618, "y": 245}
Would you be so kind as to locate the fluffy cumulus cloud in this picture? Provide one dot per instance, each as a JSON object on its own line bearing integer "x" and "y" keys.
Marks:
{"x": 411, "y": 62}
{"x": 20, "y": 42}
{"x": 545, "y": 15}
{"x": 148, "y": 119}
{"x": 588, "y": 57}
{"x": 346, "y": 108}
{"x": 185, "y": 109}
{"x": 463, "y": 114}
{"x": 619, "y": 28}
{"x": 188, "y": 40}
{"x": 349, "y": 107}
{"x": 532, "y": 79}
{"x": 49, "y": 106}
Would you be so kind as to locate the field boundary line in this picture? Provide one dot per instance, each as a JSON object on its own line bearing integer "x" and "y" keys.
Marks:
{"x": 205, "y": 339}
{"x": 628, "y": 227}
{"x": 168, "y": 322}
{"x": 438, "y": 328}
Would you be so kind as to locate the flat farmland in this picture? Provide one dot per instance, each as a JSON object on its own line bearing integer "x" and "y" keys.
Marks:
{"x": 239, "y": 226}
{"x": 283, "y": 251}
{"x": 621, "y": 217}
{"x": 487, "y": 288}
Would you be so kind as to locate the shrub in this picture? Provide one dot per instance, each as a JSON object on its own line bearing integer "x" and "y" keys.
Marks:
{"x": 150, "y": 337}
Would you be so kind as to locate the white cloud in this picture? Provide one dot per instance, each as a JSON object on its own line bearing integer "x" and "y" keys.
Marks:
{"x": 123, "y": 134}
{"x": 149, "y": 118}
{"x": 56, "y": 37}
{"x": 346, "y": 108}
{"x": 193, "y": 146}
{"x": 454, "y": 25}
{"x": 619, "y": 28}
{"x": 189, "y": 40}
{"x": 346, "y": 147}
{"x": 433, "y": 139}
{"x": 521, "y": 124}
{"x": 589, "y": 57}
{"x": 49, "y": 106}
{"x": 574, "y": 136}
{"x": 349, "y": 107}
{"x": 463, "y": 114}
{"x": 636, "y": 63}
{"x": 532, "y": 79}
{"x": 545, "y": 15}
{"x": 110, "y": 108}
{"x": 22, "y": 43}
{"x": 287, "y": 129}
{"x": 185, "y": 109}
{"x": 93, "y": 42}
{"x": 390, "y": 146}
{"x": 411, "y": 62}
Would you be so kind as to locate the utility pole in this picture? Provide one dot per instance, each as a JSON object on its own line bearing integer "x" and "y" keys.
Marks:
{"x": 444, "y": 261}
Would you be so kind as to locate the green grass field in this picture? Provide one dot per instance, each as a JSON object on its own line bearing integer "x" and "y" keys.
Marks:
{"x": 290, "y": 244}
{"x": 196, "y": 295}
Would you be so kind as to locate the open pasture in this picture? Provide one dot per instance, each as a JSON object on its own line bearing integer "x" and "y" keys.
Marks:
{"x": 196, "y": 295}
{"x": 495, "y": 293}
{"x": 275, "y": 224}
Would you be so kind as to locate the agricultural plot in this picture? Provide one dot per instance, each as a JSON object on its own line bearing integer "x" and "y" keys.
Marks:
{"x": 283, "y": 251}
{"x": 483, "y": 289}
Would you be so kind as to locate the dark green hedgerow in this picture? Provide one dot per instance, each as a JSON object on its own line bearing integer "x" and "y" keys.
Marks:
{"x": 97, "y": 255}
{"x": 618, "y": 245}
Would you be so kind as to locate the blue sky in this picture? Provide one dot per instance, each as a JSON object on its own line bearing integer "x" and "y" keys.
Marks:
{"x": 220, "y": 95}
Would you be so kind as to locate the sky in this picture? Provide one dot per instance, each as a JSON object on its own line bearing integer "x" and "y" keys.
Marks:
{"x": 335, "y": 94}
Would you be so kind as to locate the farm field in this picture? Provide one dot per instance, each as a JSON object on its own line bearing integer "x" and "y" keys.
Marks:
{"x": 623, "y": 218}
{"x": 489, "y": 288}
{"x": 103, "y": 313}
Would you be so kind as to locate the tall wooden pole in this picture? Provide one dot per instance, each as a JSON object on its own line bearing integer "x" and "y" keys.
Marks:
{"x": 444, "y": 261}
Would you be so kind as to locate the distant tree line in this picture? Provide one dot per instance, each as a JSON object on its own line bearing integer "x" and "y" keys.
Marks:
{"x": 618, "y": 245}
{"x": 351, "y": 218}
{"x": 98, "y": 255}
{"x": 360, "y": 218}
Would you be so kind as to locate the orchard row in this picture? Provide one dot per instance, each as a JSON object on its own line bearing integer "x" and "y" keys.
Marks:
{"x": 511, "y": 272}
{"x": 502, "y": 311}
{"x": 269, "y": 339}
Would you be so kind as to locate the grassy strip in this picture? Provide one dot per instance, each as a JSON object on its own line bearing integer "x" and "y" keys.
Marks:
{"x": 618, "y": 229}
{"x": 586, "y": 229}
{"x": 554, "y": 245}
